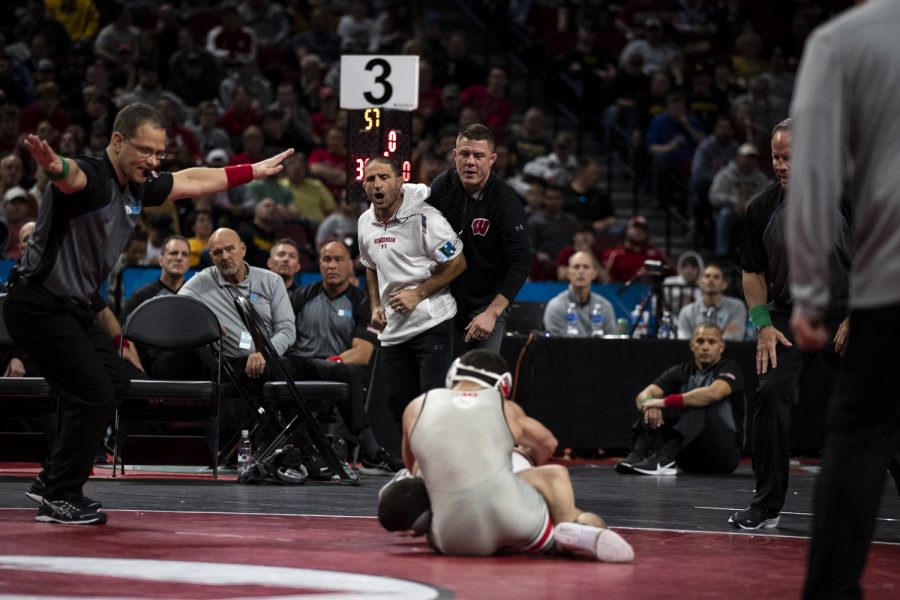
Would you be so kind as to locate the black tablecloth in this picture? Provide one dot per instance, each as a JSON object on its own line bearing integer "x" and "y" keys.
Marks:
{"x": 583, "y": 389}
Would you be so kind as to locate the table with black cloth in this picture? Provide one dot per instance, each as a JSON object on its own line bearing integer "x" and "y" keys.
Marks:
{"x": 583, "y": 389}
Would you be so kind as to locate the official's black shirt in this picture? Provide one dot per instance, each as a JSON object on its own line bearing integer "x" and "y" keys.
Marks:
{"x": 685, "y": 377}
{"x": 765, "y": 250}
{"x": 79, "y": 237}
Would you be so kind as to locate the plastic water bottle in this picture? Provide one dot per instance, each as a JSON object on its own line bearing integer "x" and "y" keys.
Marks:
{"x": 644, "y": 325}
{"x": 636, "y": 321}
{"x": 572, "y": 329}
{"x": 598, "y": 321}
{"x": 244, "y": 453}
{"x": 666, "y": 331}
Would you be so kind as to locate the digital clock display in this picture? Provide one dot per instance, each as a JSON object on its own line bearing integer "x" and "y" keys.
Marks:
{"x": 376, "y": 132}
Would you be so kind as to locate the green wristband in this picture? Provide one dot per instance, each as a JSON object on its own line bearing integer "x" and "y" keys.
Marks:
{"x": 759, "y": 314}
{"x": 646, "y": 400}
{"x": 59, "y": 176}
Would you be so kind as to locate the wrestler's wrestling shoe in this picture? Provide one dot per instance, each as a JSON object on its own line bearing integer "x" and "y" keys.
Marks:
{"x": 69, "y": 512}
{"x": 39, "y": 487}
{"x": 596, "y": 542}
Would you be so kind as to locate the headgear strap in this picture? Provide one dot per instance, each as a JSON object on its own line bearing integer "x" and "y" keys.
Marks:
{"x": 460, "y": 372}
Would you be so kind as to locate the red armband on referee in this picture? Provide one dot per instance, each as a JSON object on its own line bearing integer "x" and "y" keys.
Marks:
{"x": 119, "y": 340}
{"x": 239, "y": 175}
{"x": 674, "y": 401}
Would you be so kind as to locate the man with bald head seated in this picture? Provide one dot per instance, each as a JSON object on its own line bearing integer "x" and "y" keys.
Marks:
{"x": 582, "y": 270}
{"x": 216, "y": 287}
{"x": 230, "y": 276}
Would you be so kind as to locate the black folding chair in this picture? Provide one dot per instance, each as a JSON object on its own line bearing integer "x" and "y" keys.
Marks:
{"x": 27, "y": 397}
{"x": 304, "y": 417}
{"x": 172, "y": 323}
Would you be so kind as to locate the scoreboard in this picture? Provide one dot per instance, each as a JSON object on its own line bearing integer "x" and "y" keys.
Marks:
{"x": 376, "y": 132}
{"x": 379, "y": 93}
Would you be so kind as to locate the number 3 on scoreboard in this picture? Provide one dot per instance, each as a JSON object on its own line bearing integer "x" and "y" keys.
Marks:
{"x": 381, "y": 79}
{"x": 360, "y": 168}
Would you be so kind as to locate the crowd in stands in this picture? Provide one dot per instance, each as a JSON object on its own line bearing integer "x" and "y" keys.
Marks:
{"x": 684, "y": 91}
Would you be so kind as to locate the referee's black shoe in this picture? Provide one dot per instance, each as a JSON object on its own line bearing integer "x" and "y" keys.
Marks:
{"x": 755, "y": 517}
{"x": 39, "y": 487}
{"x": 69, "y": 512}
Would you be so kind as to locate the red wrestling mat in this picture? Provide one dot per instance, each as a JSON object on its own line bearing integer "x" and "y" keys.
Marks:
{"x": 215, "y": 555}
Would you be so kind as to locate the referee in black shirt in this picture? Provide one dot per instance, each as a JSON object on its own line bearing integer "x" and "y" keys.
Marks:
{"x": 86, "y": 218}
{"x": 779, "y": 364}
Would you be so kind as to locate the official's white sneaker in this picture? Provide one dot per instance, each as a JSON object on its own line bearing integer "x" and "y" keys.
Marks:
{"x": 602, "y": 544}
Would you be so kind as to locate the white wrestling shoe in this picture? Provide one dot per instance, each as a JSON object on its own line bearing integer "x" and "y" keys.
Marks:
{"x": 601, "y": 544}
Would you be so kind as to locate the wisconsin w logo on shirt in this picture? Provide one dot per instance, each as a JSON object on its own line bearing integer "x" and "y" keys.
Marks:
{"x": 480, "y": 226}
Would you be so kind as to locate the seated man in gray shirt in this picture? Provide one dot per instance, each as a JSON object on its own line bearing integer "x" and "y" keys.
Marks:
{"x": 581, "y": 272}
{"x": 216, "y": 287}
{"x": 729, "y": 314}
{"x": 334, "y": 343}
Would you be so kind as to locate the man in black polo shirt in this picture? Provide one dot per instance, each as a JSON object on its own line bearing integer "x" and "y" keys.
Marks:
{"x": 173, "y": 260}
{"x": 86, "y": 218}
{"x": 686, "y": 414}
{"x": 334, "y": 344}
{"x": 490, "y": 219}
{"x": 778, "y": 363}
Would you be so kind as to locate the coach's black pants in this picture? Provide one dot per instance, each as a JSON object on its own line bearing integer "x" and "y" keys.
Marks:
{"x": 863, "y": 435}
{"x": 416, "y": 366}
{"x": 80, "y": 362}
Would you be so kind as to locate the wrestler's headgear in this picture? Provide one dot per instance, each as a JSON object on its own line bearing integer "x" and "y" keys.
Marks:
{"x": 461, "y": 372}
{"x": 404, "y": 505}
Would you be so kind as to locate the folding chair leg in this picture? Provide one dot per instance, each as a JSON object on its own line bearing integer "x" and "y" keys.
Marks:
{"x": 116, "y": 445}
{"x": 304, "y": 416}
{"x": 215, "y": 449}
{"x": 368, "y": 395}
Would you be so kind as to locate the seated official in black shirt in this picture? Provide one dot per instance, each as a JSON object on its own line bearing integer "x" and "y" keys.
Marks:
{"x": 686, "y": 414}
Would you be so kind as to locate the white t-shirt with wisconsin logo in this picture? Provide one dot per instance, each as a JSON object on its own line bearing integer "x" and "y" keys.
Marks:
{"x": 405, "y": 253}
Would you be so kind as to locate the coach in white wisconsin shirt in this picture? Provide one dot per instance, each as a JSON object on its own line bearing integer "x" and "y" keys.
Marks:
{"x": 411, "y": 254}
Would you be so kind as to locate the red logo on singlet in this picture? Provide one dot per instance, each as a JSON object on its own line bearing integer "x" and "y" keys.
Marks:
{"x": 480, "y": 226}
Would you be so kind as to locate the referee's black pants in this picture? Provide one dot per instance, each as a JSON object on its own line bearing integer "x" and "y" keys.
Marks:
{"x": 863, "y": 434}
{"x": 776, "y": 394}
{"x": 78, "y": 359}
